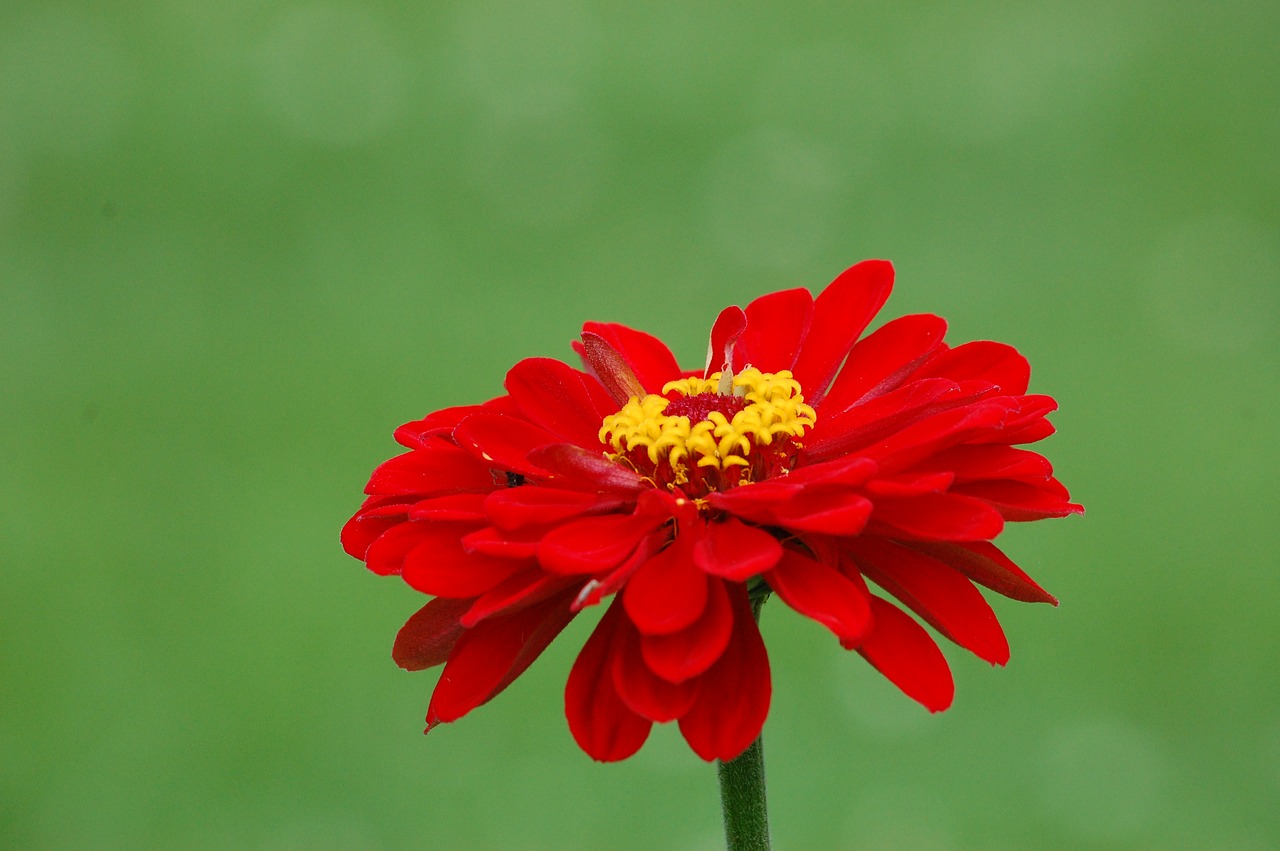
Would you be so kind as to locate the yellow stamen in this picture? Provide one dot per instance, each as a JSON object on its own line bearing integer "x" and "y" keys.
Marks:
{"x": 743, "y": 413}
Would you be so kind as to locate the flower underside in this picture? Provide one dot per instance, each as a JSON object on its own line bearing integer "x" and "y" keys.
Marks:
{"x": 710, "y": 434}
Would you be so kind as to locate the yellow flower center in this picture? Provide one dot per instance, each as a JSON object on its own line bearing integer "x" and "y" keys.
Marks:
{"x": 705, "y": 434}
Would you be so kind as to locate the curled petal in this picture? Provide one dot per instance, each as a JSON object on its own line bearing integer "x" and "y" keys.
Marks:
{"x": 902, "y": 650}
{"x": 728, "y": 327}
{"x": 611, "y": 368}
{"x": 601, "y": 723}
{"x": 649, "y": 358}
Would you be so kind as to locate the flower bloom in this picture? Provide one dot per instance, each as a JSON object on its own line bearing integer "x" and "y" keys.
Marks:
{"x": 804, "y": 460}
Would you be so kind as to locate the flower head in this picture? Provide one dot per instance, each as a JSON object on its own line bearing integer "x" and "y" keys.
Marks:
{"x": 802, "y": 461}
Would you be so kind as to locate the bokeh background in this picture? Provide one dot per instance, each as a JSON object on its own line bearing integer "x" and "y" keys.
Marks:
{"x": 241, "y": 241}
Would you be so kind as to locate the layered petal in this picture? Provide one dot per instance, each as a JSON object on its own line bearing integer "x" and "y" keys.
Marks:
{"x": 841, "y": 313}
{"x": 733, "y": 701}
{"x": 899, "y": 648}
{"x": 600, "y": 721}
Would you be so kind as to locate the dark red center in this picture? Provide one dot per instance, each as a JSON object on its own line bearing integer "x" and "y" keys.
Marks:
{"x": 696, "y": 408}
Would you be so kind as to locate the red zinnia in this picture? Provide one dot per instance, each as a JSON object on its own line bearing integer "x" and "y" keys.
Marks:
{"x": 801, "y": 461}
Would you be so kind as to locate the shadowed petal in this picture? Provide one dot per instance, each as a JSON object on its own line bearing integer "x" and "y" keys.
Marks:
{"x": 649, "y": 358}
{"x": 427, "y": 638}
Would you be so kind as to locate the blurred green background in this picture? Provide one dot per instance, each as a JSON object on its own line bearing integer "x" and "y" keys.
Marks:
{"x": 241, "y": 242}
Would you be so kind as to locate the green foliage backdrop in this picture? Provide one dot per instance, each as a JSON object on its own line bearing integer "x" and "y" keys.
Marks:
{"x": 240, "y": 242}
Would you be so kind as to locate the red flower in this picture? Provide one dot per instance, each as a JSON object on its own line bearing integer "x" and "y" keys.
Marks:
{"x": 802, "y": 461}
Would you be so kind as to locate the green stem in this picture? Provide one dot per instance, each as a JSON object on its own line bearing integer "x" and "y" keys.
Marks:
{"x": 742, "y": 792}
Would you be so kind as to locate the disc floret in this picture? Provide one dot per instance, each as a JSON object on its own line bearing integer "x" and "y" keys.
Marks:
{"x": 714, "y": 433}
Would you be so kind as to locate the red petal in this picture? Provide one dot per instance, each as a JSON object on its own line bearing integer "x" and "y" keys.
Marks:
{"x": 456, "y": 506}
{"x": 826, "y": 510}
{"x": 560, "y": 399}
{"x": 841, "y": 313}
{"x": 1021, "y": 501}
{"x": 366, "y": 526}
{"x": 822, "y": 593}
{"x": 520, "y": 591}
{"x": 427, "y": 638}
{"x": 997, "y": 363}
{"x": 385, "y": 556}
{"x": 420, "y": 433}
{"x": 881, "y": 361}
{"x": 601, "y": 723}
{"x": 649, "y": 357}
{"x": 908, "y": 484}
{"x": 439, "y": 566}
{"x": 776, "y": 327}
{"x": 516, "y": 508}
{"x": 594, "y": 544}
{"x": 644, "y": 693}
{"x": 597, "y": 589}
{"x": 440, "y": 468}
{"x": 899, "y": 648}
{"x": 886, "y": 418}
{"x": 489, "y": 657}
{"x": 734, "y": 699}
{"x": 985, "y": 564}
{"x": 942, "y": 597}
{"x": 733, "y": 550}
{"x": 583, "y": 469}
{"x": 502, "y": 544}
{"x": 939, "y": 517}
{"x": 682, "y": 655}
{"x": 724, "y": 337}
{"x": 979, "y": 462}
{"x": 611, "y": 368}
{"x": 503, "y": 442}
{"x": 938, "y": 431}
{"x": 667, "y": 593}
